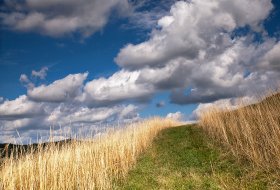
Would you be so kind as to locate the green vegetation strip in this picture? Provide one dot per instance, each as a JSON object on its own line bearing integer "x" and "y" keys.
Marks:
{"x": 184, "y": 158}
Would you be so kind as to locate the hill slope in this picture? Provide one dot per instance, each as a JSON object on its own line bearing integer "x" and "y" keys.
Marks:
{"x": 87, "y": 164}
{"x": 184, "y": 158}
{"x": 251, "y": 132}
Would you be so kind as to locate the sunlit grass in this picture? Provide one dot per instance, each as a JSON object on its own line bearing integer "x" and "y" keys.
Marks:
{"x": 87, "y": 164}
{"x": 251, "y": 132}
{"x": 186, "y": 158}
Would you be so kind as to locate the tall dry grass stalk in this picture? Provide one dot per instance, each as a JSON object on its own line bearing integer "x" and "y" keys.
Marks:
{"x": 251, "y": 132}
{"x": 91, "y": 164}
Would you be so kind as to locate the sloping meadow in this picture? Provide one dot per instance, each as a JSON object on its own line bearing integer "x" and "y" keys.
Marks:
{"x": 251, "y": 132}
{"x": 88, "y": 164}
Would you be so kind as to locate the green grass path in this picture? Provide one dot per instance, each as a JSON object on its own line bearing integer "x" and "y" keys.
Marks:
{"x": 184, "y": 158}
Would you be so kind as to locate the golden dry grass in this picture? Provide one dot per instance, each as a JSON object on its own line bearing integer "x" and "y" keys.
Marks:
{"x": 90, "y": 164}
{"x": 251, "y": 132}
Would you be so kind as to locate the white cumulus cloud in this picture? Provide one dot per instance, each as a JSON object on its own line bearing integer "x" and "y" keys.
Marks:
{"x": 187, "y": 30}
{"x": 177, "y": 116}
{"x": 62, "y": 17}
{"x": 186, "y": 51}
{"x": 20, "y": 108}
{"x": 119, "y": 87}
{"x": 60, "y": 90}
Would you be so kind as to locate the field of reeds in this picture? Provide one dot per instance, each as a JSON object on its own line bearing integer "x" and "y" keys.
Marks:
{"x": 80, "y": 164}
{"x": 251, "y": 132}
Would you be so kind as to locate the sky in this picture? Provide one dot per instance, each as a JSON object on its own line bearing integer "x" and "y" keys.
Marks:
{"x": 75, "y": 65}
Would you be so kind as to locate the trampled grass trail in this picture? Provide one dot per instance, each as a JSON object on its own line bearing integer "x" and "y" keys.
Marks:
{"x": 185, "y": 158}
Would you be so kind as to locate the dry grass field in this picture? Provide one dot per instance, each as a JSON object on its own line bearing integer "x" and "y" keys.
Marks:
{"x": 251, "y": 132}
{"x": 88, "y": 164}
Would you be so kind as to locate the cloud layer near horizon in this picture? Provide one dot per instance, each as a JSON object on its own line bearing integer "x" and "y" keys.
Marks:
{"x": 196, "y": 60}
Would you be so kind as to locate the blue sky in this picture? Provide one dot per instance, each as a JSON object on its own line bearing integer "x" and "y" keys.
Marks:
{"x": 130, "y": 59}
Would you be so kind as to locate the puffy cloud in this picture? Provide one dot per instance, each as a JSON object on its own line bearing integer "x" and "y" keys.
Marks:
{"x": 117, "y": 88}
{"x": 241, "y": 12}
{"x": 20, "y": 108}
{"x": 187, "y": 30}
{"x": 33, "y": 119}
{"x": 31, "y": 115}
{"x": 232, "y": 73}
{"x": 59, "y": 91}
{"x": 71, "y": 115}
{"x": 57, "y": 105}
{"x": 168, "y": 77}
{"x": 61, "y": 17}
{"x": 271, "y": 60}
{"x": 184, "y": 51}
{"x": 41, "y": 73}
{"x": 177, "y": 116}
{"x": 212, "y": 76}
{"x": 201, "y": 61}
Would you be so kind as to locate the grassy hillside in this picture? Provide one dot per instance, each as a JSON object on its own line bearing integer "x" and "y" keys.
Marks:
{"x": 88, "y": 164}
{"x": 251, "y": 132}
{"x": 185, "y": 158}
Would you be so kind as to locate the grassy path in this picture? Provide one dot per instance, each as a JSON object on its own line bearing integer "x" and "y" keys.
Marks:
{"x": 183, "y": 158}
